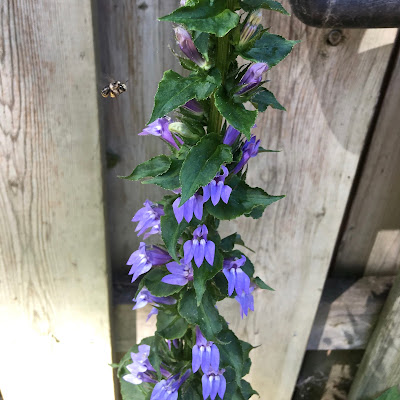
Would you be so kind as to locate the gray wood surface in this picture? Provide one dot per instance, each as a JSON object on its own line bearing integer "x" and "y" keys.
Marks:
{"x": 54, "y": 308}
{"x": 380, "y": 367}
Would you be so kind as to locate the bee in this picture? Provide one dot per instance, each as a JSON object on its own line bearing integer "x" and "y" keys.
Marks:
{"x": 113, "y": 89}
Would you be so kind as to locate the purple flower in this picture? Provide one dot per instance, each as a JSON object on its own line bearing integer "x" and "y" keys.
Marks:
{"x": 217, "y": 189}
{"x": 249, "y": 149}
{"x": 182, "y": 2}
{"x": 168, "y": 389}
{"x": 194, "y": 106}
{"x": 188, "y": 47}
{"x": 160, "y": 128}
{"x": 181, "y": 273}
{"x": 250, "y": 27}
{"x": 144, "y": 297}
{"x": 246, "y": 301}
{"x": 204, "y": 354}
{"x": 237, "y": 278}
{"x": 144, "y": 258}
{"x": 213, "y": 383}
{"x": 153, "y": 311}
{"x": 252, "y": 78}
{"x": 199, "y": 247}
{"x": 148, "y": 218}
{"x": 141, "y": 369}
{"x": 192, "y": 206}
{"x": 231, "y": 135}
{"x": 175, "y": 342}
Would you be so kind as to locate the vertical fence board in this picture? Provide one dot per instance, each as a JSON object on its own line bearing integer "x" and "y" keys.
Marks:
{"x": 54, "y": 308}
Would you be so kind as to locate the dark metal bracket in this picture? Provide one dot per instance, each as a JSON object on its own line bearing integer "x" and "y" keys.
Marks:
{"x": 348, "y": 13}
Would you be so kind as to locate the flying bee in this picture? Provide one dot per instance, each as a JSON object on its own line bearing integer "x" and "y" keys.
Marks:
{"x": 113, "y": 89}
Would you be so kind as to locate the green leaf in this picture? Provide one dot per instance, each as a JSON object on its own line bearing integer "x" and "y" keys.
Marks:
{"x": 171, "y": 231}
{"x": 206, "y": 272}
{"x": 151, "y": 168}
{"x": 391, "y": 394}
{"x": 270, "y": 49}
{"x": 170, "y": 179}
{"x": 202, "y": 164}
{"x": 229, "y": 242}
{"x": 175, "y": 90}
{"x": 235, "y": 113}
{"x": 156, "y": 346}
{"x": 247, "y": 390}
{"x": 262, "y": 285}
{"x": 243, "y": 200}
{"x": 251, "y": 5}
{"x": 262, "y": 150}
{"x": 265, "y": 98}
{"x": 205, "y": 16}
{"x": 152, "y": 281}
{"x": 187, "y": 307}
{"x": 201, "y": 40}
{"x": 171, "y": 326}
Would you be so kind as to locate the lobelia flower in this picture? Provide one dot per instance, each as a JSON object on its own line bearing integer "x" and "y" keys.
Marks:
{"x": 194, "y": 205}
{"x": 168, "y": 389}
{"x": 153, "y": 311}
{"x": 194, "y": 107}
{"x": 204, "y": 354}
{"x": 188, "y": 47}
{"x": 237, "y": 278}
{"x": 249, "y": 149}
{"x": 252, "y": 78}
{"x": 246, "y": 301}
{"x": 231, "y": 135}
{"x": 175, "y": 342}
{"x": 181, "y": 273}
{"x": 217, "y": 189}
{"x": 160, "y": 128}
{"x": 199, "y": 247}
{"x": 149, "y": 217}
{"x": 144, "y": 258}
{"x": 141, "y": 369}
{"x": 250, "y": 27}
{"x": 144, "y": 297}
{"x": 213, "y": 383}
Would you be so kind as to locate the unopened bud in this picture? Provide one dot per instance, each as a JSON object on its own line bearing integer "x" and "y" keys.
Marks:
{"x": 250, "y": 27}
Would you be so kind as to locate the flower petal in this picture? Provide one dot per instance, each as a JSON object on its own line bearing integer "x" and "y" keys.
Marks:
{"x": 196, "y": 358}
{"x": 225, "y": 193}
{"x": 178, "y": 211}
{"x": 188, "y": 209}
{"x": 206, "y": 386}
{"x": 199, "y": 252}
{"x": 210, "y": 252}
{"x": 188, "y": 251}
{"x": 175, "y": 280}
{"x": 222, "y": 386}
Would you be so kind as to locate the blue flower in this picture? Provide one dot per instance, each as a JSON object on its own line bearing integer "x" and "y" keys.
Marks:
{"x": 231, "y": 135}
{"x": 217, "y": 189}
{"x": 160, "y": 128}
{"x": 181, "y": 273}
{"x": 168, "y": 389}
{"x": 144, "y": 297}
{"x": 144, "y": 258}
{"x": 141, "y": 369}
{"x": 213, "y": 383}
{"x": 199, "y": 248}
{"x": 194, "y": 107}
{"x": 237, "y": 278}
{"x": 204, "y": 354}
{"x": 188, "y": 47}
{"x": 149, "y": 217}
{"x": 246, "y": 301}
{"x": 252, "y": 78}
{"x": 249, "y": 149}
{"x": 194, "y": 205}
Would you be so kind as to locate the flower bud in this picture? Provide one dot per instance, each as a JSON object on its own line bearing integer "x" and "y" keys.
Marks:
{"x": 252, "y": 78}
{"x": 250, "y": 27}
{"x": 188, "y": 47}
{"x": 194, "y": 107}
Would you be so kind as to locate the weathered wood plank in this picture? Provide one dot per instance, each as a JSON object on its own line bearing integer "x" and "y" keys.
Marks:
{"x": 370, "y": 244}
{"x": 54, "y": 309}
{"x": 347, "y": 313}
{"x": 380, "y": 367}
{"x": 330, "y": 93}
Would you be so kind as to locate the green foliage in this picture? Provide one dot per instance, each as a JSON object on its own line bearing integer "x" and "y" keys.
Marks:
{"x": 202, "y": 164}
{"x": 169, "y": 180}
{"x": 251, "y": 5}
{"x": 235, "y": 113}
{"x": 264, "y": 98}
{"x": 261, "y": 284}
{"x": 206, "y": 16}
{"x": 175, "y": 90}
{"x": 152, "y": 281}
{"x": 171, "y": 325}
{"x": 391, "y": 394}
{"x": 151, "y": 168}
{"x": 270, "y": 49}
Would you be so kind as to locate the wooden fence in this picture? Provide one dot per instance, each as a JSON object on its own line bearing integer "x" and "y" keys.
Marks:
{"x": 339, "y": 166}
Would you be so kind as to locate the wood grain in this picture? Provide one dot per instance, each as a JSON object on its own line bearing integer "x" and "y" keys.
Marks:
{"x": 54, "y": 308}
{"x": 370, "y": 244}
{"x": 380, "y": 367}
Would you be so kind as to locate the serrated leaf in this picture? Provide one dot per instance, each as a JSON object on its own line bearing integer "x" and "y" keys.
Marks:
{"x": 171, "y": 326}
{"x": 205, "y": 16}
{"x": 170, "y": 179}
{"x": 202, "y": 164}
{"x": 391, "y": 394}
{"x": 247, "y": 390}
{"x": 235, "y": 113}
{"x": 152, "y": 281}
{"x": 270, "y": 49}
{"x": 187, "y": 307}
{"x": 201, "y": 40}
{"x": 175, "y": 90}
{"x": 265, "y": 98}
{"x": 171, "y": 231}
{"x": 262, "y": 285}
{"x": 251, "y": 5}
{"x": 243, "y": 200}
{"x": 262, "y": 150}
{"x": 150, "y": 168}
